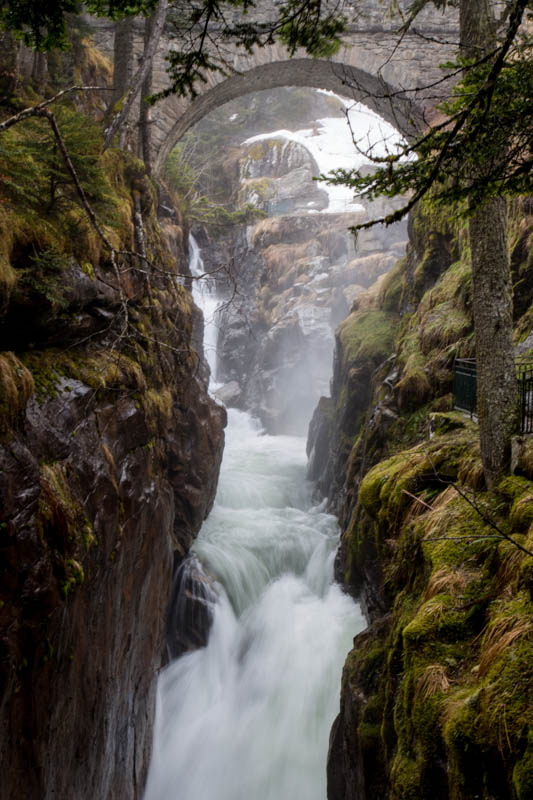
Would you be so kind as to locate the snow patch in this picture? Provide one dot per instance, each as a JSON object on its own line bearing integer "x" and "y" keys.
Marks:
{"x": 330, "y": 143}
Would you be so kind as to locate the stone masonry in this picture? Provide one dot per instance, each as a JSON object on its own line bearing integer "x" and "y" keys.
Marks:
{"x": 396, "y": 75}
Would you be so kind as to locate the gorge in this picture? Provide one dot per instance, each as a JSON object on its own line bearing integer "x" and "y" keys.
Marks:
{"x": 126, "y": 560}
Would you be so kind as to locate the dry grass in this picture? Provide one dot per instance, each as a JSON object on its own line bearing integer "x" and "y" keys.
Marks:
{"x": 94, "y": 68}
{"x": 444, "y": 581}
{"x": 432, "y": 680}
{"x": 436, "y": 521}
{"x": 16, "y": 387}
{"x": 415, "y": 509}
{"x": 432, "y": 610}
{"x": 501, "y": 635}
{"x": 442, "y": 500}
{"x": 470, "y": 472}
{"x": 281, "y": 258}
{"x": 525, "y": 457}
{"x": 509, "y": 571}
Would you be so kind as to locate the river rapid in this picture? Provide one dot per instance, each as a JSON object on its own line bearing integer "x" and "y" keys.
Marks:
{"x": 248, "y": 716}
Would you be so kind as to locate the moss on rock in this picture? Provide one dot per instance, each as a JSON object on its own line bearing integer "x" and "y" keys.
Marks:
{"x": 367, "y": 335}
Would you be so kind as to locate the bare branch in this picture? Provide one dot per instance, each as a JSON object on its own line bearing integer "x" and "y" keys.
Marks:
{"x": 31, "y": 111}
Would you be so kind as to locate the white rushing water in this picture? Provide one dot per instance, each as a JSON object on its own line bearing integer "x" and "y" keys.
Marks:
{"x": 204, "y": 292}
{"x": 248, "y": 716}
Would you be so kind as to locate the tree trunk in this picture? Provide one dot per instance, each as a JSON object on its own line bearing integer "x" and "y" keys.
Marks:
{"x": 493, "y": 323}
{"x": 140, "y": 76}
{"x": 39, "y": 73}
{"x": 145, "y": 130}
{"x": 122, "y": 64}
{"x": 491, "y": 289}
{"x": 9, "y": 65}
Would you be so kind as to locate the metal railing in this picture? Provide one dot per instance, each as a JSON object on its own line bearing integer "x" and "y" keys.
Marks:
{"x": 465, "y": 385}
{"x": 524, "y": 373}
{"x": 465, "y": 390}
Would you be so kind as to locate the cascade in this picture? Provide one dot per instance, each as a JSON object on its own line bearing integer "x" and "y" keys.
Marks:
{"x": 249, "y": 715}
{"x": 204, "y": 292}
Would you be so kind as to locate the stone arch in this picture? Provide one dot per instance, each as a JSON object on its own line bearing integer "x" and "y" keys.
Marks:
{"x": 374, "y": 91}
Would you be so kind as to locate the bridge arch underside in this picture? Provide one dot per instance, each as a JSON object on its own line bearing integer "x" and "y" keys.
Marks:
{"x": 383, "y": 98}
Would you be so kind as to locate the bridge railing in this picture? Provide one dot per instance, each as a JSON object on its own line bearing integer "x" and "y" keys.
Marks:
{"x": 465, "y": 385}
{"x": 465, "y": 389}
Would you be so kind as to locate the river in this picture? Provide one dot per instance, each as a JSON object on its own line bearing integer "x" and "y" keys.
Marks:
{"x": 248, "y": 716}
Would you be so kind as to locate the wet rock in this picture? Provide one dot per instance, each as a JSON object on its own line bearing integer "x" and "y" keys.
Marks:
{"x": 190, "y": 611}
{"x": 354, "y": 764}
{"x": 229, "y": 394}
{"x": 319, "y": 439}
{"x": 299, "y": 274}
{"x": 105, "y": 472}
{"x": 61, "y": 309}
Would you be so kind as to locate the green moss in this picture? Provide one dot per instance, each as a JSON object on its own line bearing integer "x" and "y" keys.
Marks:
{"x": 158, "y": 407}
{"x": 367, "y": 335}
{"x": 455, "y": 285}
{"x": 443, "y": 325}
{"x": 442, "y": 423}
{"x": 63, "y": 525}
{"x": 104, "y": 369}
{"x": 262, "y": 187}
{"x": 427, "y": 621}
{"x": 452, "y": 694}
{"x": 374, "y": 491}
{"x": 523, "y": 771}
{"x": 406, "y": 777}
{"x": 449, "y": 700}
{"x": 392, "y": 288}
{"x": 88, "y": 269}
{"x": 431, "y": 337}
{"x": 521, "y": 516}
{"x": 259, "y": 150}
{"x": 74, "y": 577}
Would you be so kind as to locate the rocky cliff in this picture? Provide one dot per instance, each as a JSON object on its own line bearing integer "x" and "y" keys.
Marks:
{"x": 109, "y": 457}
{"x": 436, "y": 694}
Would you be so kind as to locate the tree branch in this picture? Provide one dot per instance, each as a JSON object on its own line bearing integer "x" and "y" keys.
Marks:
{"x": 31, "y": 111}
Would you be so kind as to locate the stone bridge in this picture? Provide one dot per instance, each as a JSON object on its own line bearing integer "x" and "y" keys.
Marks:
{"x": 389, "y": 73}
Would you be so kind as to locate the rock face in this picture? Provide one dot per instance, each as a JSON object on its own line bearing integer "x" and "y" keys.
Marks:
{"x": 298, "y": 275}
{"x": 191, "y": 606}
{"x": 109, "y": 457}
{"x": 276, "y": 175}
{"x": 427, "y": 686}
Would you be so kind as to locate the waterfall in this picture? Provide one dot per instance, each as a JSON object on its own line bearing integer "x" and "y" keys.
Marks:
{"x": 247, "y": 717}
{"x": 204, "y": 292}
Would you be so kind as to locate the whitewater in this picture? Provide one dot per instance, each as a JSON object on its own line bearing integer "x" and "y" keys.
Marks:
{"x": 249, "y": 715}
